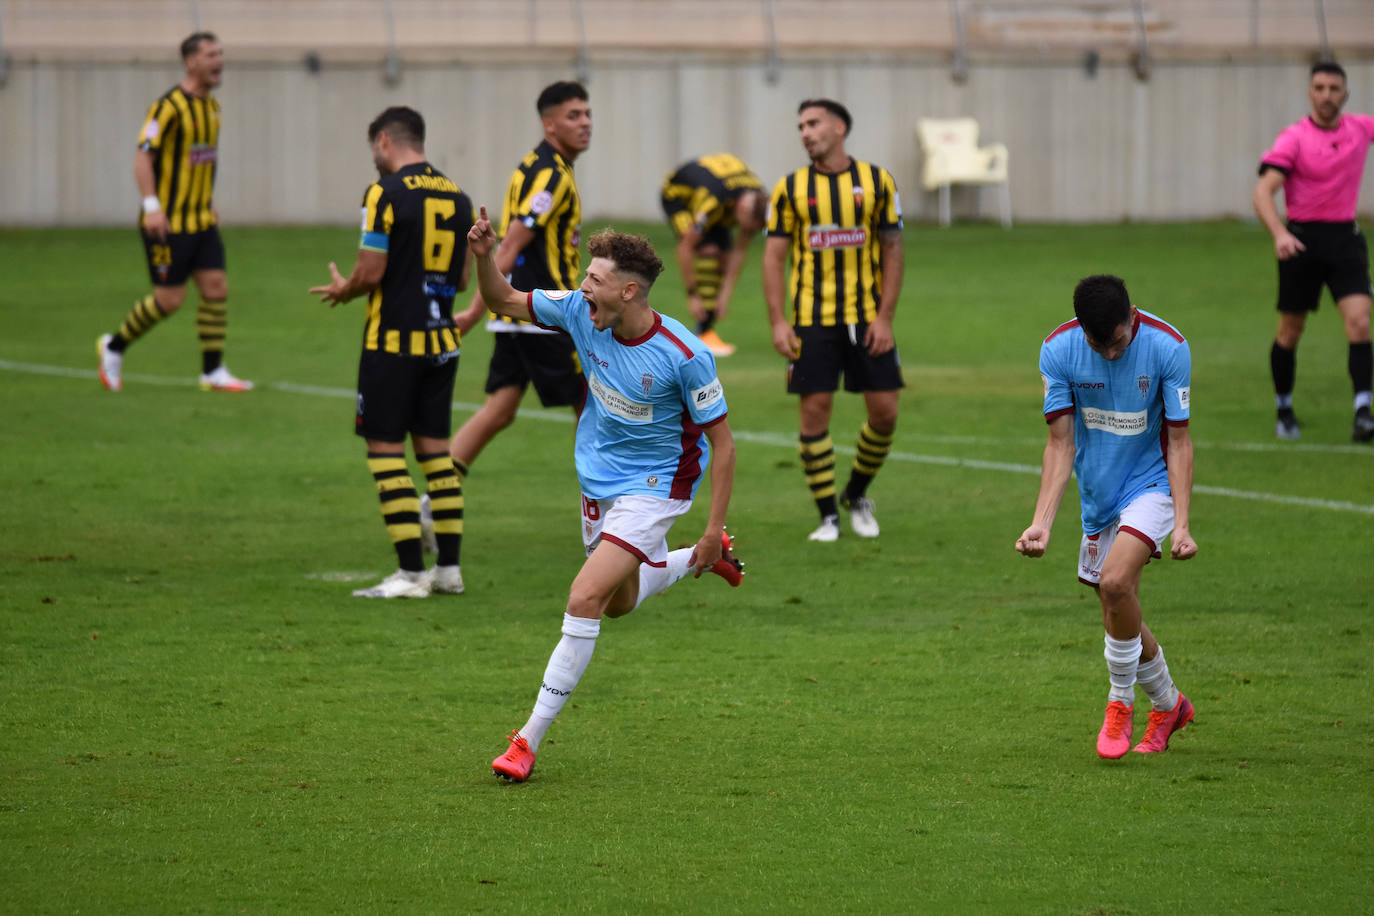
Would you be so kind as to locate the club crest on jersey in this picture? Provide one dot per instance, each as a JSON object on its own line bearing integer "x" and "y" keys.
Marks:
{"x": 1143, "y": 383}
{"x": 858, "y": 198}
{"x": 646, "y": 383}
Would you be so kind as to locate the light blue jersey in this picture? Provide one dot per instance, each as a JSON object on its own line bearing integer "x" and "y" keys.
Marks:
{"x": 1120, "y": 409}
{"x": 648, "y": 400}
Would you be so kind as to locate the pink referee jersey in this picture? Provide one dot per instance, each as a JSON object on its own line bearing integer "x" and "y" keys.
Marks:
{"x": 1324, "y": 167}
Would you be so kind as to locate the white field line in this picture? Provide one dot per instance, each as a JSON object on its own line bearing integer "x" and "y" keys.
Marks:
{"x": 785, "y": 441}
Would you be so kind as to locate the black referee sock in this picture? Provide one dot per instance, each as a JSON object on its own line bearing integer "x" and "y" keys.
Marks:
{"x": 1361, "y": 364}
{"x": 1283, "y": 365}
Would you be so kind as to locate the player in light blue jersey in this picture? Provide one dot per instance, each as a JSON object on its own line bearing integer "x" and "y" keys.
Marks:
{"x": 1116, "y": 400}
{"x": 652, "y": 422}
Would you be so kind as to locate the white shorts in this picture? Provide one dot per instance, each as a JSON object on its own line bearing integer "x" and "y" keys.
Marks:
{"x": 1150, "y": 517}
{"x": 639, "y": 524}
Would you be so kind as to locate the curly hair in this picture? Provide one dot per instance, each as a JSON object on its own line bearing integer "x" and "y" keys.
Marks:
{"x": 630, "y": 253}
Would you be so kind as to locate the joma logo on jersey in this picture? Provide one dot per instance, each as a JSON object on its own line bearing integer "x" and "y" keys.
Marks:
{"x": 826, "y": 237}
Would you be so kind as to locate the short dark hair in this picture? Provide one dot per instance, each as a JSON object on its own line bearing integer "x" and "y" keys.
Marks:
{"x": 191, "y": 44}
{"x": 1328, "y": 66}
{"x": 556, "y": 94}
{"x": 403, "y": 125}
{"x": 831, "y": 106}
{"x": 1102, "y": 305}
{"x": 631, "y": 254}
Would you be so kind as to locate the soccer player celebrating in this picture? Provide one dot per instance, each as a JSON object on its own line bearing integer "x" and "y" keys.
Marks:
{"x": 175, "y": 168}
{"x": 412, "y": 260}
{"x": 703, "y": 200}
{"x": 841, "y": 222}
{"x": 1318, "y": 162}
{"x": 653, "y": 422}
{"x": 1116, "y": 384}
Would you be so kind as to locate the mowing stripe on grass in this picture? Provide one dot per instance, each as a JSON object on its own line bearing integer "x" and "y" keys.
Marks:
{"x": 790, "y": 442}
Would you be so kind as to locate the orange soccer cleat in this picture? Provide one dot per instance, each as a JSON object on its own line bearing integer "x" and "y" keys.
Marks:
{"x": 515, "y": 764}
{"x": 1115, "y": 738}
{"x": 1163, "y": 725}
{"x": 727, "y": 567}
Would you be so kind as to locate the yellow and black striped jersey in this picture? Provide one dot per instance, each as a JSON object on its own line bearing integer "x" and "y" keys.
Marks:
{"x": 182, "y": 133}
{"x": 543, "y": 196}
{"x": 702, "y": 192}
{"x": 419, "y": 219}
{"x": 834, "y": 222}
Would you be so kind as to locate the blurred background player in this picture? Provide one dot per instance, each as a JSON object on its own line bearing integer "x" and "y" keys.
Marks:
{"x": 841, "y": 221}
{"x": 541, "y": 228}
{"x": 654, "y": 420}
{"x": 1117, "y": 381}
{"x": 703, "y": 200}
{"x": 1318, "y": 162}
{"x": 174, "y": 167}
{"x": 412, "y": 260}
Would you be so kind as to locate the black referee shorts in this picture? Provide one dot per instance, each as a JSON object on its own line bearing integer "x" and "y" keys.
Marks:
{"x": 1336, "y": 257}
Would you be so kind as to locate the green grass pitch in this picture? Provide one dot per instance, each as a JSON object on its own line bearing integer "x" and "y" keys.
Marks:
{"x": 195, "y": 716}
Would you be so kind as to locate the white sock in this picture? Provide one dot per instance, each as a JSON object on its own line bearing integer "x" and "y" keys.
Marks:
{"x": 569, "y": 660}
{"x": 1363, "y": 399}
{"x": 654, "y": 579}
{"x": 1283, "y": 400}
{"x": 1123, "y": 658}
{"x": 1153, "y": 677}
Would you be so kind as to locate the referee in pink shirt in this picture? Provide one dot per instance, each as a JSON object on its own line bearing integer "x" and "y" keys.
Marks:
{"x": 1318, "y": 162}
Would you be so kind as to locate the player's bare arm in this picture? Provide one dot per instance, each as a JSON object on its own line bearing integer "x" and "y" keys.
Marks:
{"x": 367, "y": 273}
{"x": 686, "y": 262}
{"x": 1286, "y": 244}
{"x": 734, "y": 261}
{"x": 1055, "y": 470}
{"x": 707, "y": 550}
{"x": 154, "y": 221}
{"x": 497, "y": 293}
{"x": 1179, "y": 451}
{"x": 879, "y": 338}
{"x": 774, "y": 265}
{"x": 517, "y": 237}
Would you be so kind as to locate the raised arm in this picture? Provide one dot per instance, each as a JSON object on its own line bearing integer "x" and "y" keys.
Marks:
{"x": 1055, "y": 470}
{"x": 496, "y": 291}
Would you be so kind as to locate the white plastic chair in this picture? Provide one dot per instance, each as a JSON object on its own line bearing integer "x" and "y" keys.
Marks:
{"x": 953, "y": 156}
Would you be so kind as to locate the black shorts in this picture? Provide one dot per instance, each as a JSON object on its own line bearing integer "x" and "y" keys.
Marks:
{"x": 172, "y": 261}
{"x": 548, "y": 360}
{"x": 399, "y": 395}
{"x": 1336, "y": 257}
{"x": 828, "y": 351}
{"x": 680, "y": 218}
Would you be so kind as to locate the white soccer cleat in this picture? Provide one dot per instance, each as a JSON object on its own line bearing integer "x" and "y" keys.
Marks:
{"x": 446, "y": 580}
{"x": 223, "y": 380}
{"x": 828, "y": 531}
{"x": 861, "y": 517}
{"x": 111, "y": 364}
{"x": 400, "y": 584}
{"x": 428, "y": 542}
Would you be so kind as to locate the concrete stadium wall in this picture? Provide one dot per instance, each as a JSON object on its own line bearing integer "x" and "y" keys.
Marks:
{"x": 1182, "y": 146}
